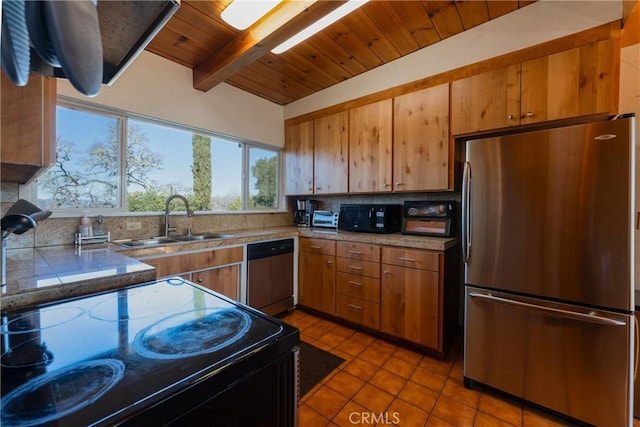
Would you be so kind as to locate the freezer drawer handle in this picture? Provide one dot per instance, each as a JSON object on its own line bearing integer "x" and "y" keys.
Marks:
{"x": 581, "y": 316}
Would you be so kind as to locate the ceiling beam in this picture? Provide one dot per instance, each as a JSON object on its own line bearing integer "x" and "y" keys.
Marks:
{"x": 248, "y": 46}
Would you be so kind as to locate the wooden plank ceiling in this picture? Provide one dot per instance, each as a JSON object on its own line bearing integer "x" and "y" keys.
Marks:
{"x": 375, "y": 34}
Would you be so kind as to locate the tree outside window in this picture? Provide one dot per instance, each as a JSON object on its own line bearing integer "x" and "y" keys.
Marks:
{"x": 160, "y": 160}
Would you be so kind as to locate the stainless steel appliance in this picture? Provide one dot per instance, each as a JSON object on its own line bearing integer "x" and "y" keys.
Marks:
{"x": 270, "y": 276}
{"x": 304, "y": 212}
{"x": 548, "y": 249}
{"x": 429, "y": 218}
{"x": 162, "y": 353}
{"x": 370, "y": 218}
{"x": 326, "y": 219}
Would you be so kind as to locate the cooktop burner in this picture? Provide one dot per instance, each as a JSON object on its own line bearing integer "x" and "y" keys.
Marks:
{"x": 35, "y": 321}
{"x": 192, "y": 333}
{"x": 55, "y": 394}
{"x": 96, "y": 359}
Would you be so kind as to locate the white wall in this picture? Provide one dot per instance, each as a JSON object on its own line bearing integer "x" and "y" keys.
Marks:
{"x": 536, "y": 23}
{"x": 156, "y": 87}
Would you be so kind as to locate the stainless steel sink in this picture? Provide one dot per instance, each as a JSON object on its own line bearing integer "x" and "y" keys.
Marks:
{"x": 157, "y": 241}
{"x": 204, "y": 236}
{"x": 154, "y": 241}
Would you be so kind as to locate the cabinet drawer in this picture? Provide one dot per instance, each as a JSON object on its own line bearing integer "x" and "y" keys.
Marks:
{"x": 178, "y": 264}
{"x": 414, "y": 258}
{"x": 358, "y": 311}
{"x": 360, "y": 268}
{"x": 318, "y": 246}
{"x": 361, "y": 251}
{"x": 358, "y": 286}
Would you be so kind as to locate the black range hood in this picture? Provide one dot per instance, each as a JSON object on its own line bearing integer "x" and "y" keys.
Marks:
{"x": 126, "y": 28}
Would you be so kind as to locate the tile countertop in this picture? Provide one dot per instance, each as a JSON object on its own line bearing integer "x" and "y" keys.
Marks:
{"x": 51, "y": 273}
{"x": 46, "y": 274}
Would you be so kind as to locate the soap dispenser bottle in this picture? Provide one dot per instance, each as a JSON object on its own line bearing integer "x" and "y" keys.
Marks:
{"x": 85, "y": 228}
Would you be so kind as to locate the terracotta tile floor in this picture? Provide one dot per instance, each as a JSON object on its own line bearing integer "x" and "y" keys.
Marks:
{"x": 383, "y": 384}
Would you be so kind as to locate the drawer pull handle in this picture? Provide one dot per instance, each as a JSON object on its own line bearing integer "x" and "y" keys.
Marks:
{"x": 353, "y": 267}
{"x": 401, "y": 258}
{"x": 315, "y": 247}
{"x": 357, "y": 307}
{"x": 351, "y": 282}
{"x": 355, "y": 252}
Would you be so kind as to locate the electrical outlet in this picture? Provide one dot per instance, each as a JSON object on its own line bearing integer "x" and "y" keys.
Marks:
{"x": 131, "y": 226}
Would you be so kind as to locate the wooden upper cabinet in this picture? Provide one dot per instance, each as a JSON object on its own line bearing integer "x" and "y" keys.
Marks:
{"x": 486, "y": 101}
{"x": 331, "y": 153}
{"x": 28, "y": 128}
{"x": 370, "y": 144}
{"x": 299, "y": 158}
{"x": 576, "y": 82}
{"x": 421, "y": 140}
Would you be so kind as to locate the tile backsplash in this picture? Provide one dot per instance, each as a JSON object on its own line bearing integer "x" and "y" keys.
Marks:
{"x": 59, "y": 231}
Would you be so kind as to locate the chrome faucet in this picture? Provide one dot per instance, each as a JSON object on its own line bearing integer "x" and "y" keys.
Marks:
{"x": 167, "y": 228}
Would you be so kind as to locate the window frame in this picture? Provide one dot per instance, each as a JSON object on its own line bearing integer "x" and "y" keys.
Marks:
{"x": 31, "y": 190}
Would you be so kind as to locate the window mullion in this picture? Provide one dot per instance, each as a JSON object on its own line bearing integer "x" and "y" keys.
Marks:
{"x": 122, "y": 162}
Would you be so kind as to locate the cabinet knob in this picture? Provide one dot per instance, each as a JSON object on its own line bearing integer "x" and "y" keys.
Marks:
{"x": 199, "y": 280}
{"x": 318, "y": 188}
{"x": 386, "y": 272}
{"x": 329, "y": 262}
{"x": 398, "y": 184}
{"x": 511, "y": 117}
{"x": 386, "y": 185}
{"x": 309, "y": 188}
{"x": 528, "y": 114}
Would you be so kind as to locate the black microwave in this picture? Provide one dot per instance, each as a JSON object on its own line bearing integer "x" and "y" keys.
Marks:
{"x": 370, "y": 218}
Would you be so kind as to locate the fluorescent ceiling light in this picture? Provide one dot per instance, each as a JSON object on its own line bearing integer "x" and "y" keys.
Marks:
{"x": 241, "y": 14}
{"x": 319, "y": 25}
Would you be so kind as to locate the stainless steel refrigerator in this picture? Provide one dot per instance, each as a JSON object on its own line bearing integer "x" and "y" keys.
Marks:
{"x": 548, "y": 247}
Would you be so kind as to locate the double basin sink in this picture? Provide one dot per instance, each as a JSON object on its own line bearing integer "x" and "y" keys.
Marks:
{"x": 157, "y": 241}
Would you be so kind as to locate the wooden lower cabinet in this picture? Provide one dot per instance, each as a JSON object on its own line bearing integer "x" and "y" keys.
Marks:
{"x": 403, "y": 293}
{"x": 317, "y": 275}
{"x": 224, "y": 280}
{"x": 357, "y": 310}
{"x": 218, "y": 269}
{"x": 411, "y": 305}
{"x": 358, "y": 283}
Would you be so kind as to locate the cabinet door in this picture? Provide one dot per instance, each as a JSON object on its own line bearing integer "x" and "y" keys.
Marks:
{"x": 485, "y": 101}
{"x": 223, "y": 280}
{"x": 421, "y": 140}
{"x": 299, "y": 158}
{"x": 331, "y": 153}
{"x": 410, "y": 305}
{"x": 576, "y": 82}
{"x": 370, "y": 141}
{"x": 316, "y": 282}
{"x": 28, "y": 127}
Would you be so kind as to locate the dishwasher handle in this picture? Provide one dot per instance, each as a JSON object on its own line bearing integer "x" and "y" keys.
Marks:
{"x": 268, "y": 249}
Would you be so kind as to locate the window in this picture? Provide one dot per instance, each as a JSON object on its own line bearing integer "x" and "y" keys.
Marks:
{"x": 114, "y": 161}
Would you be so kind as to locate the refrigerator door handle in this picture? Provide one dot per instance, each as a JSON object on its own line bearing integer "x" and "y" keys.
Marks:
{"x": 593, "y": 318}
{"x": 466, "y": 212}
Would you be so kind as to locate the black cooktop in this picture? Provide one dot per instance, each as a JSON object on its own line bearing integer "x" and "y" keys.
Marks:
{"x": 97, "y": 359}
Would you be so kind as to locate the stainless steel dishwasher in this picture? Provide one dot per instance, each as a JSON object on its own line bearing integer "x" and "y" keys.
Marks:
{"x": 270, "y": 276}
